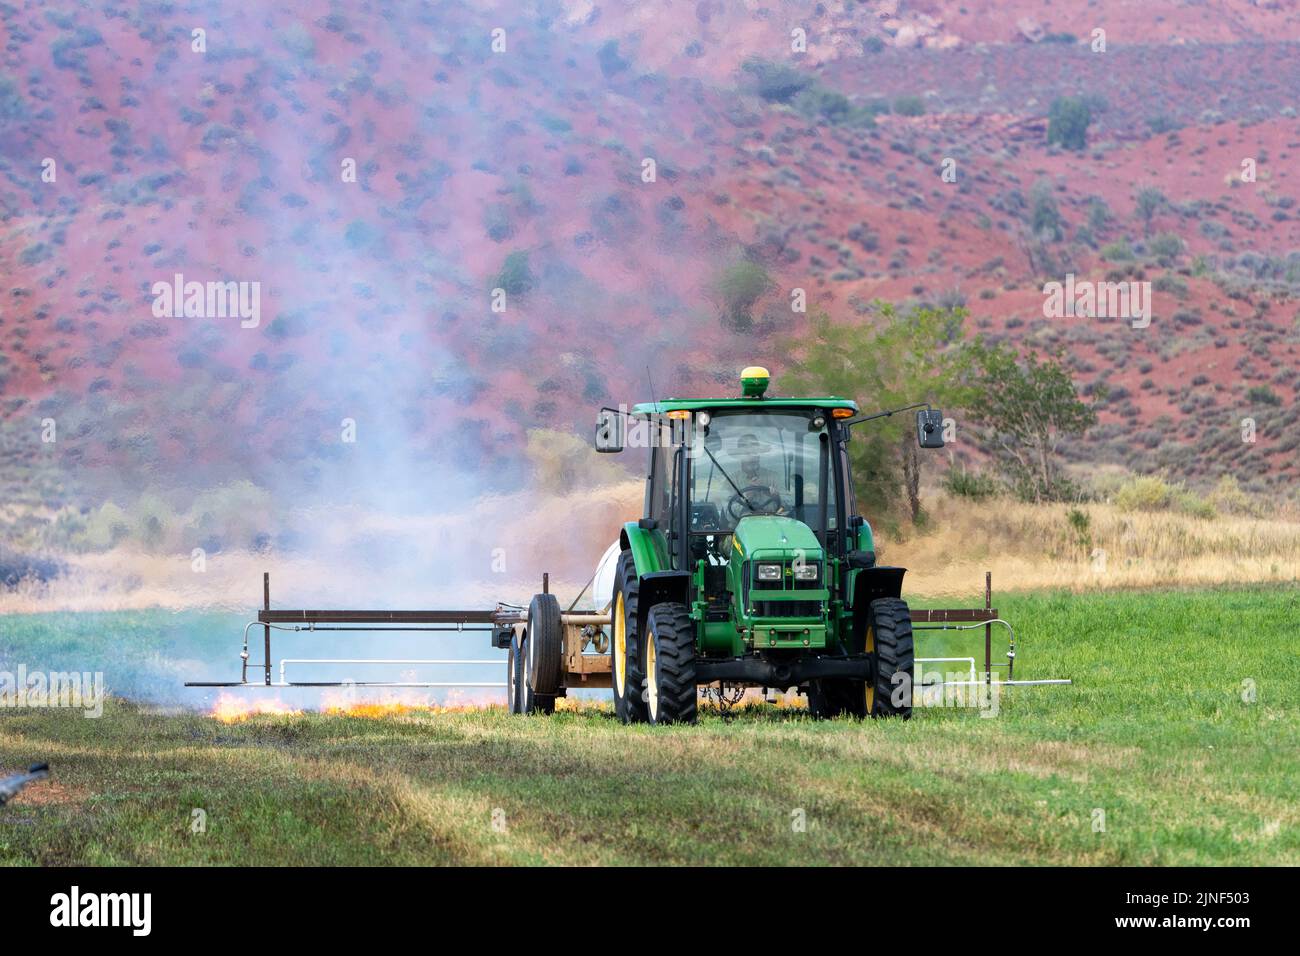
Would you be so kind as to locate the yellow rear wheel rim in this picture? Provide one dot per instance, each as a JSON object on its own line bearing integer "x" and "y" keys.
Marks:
{"x": 620, "y": 647}
{"x": 871, "y": 684}
{"x": 651, "y": 678}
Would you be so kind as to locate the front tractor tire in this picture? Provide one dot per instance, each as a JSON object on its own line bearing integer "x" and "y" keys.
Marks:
{"x": 888, "y": 643}
{"x": 668, "y": 661}
{"x": 625, "y": 668}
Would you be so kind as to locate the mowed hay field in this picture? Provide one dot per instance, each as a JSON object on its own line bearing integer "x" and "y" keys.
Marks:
{"x": 1182, "y": 728}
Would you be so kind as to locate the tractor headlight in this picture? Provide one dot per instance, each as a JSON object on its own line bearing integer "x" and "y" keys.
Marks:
{"x": 769, "y": 572}
{"x": 805, "y": 572}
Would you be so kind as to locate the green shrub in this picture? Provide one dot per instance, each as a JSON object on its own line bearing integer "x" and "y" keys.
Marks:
{"x": 1263, "y": 395}
{"x": 1080, "y": 523}
{"x": 1229, "y": 497}
{"x": 1117, "y": 251}
{"x": 1194, "y": 505}
{"x": 1165, "y": 246}
{"x": 1067, "y": 123}
{"x": 909, "y": 105}
{"x": 1144, "y": 493}
{"x": 976, "y": 485}
{"x": 824, "y": 104}
{"x": 777, "y": 83}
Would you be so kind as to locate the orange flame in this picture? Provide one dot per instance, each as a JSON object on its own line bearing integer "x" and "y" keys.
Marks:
{"x": 379, "y": 709}
{"x": 230, "y": 709}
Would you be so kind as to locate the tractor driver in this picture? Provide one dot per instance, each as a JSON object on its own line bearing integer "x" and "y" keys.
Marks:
{"x": 760, "y": 492}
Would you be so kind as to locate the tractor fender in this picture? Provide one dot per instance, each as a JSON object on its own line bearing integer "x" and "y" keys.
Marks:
{"x": 646, "y": 552}
{"x": 871, "y": 584}
{"x": 658, "y": 587}
{"x": 877, "y": 582}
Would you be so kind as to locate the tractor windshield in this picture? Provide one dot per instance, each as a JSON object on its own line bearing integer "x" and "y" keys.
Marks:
{"x": 760, "y": 462}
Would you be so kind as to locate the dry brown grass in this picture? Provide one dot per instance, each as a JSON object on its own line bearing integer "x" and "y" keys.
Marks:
{"x": 1032, "y": 547}
{"x": 355, "y": 558}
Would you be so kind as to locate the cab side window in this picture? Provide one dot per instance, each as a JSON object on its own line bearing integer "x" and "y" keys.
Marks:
{"x": 661, "y": 485}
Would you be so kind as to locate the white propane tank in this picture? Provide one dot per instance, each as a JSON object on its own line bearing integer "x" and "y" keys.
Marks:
{"x": 602, "y": 585}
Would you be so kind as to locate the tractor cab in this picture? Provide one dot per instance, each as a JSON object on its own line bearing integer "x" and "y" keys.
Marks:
{"x": 742, "y": 478}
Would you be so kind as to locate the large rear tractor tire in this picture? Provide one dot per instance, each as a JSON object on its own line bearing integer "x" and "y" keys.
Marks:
{"x": 668, "y": 661}
{"x": 625, "y": 664}
{"x": 889, "y": 643}
{"x": 545, "y": 645}
{"x": 531, "y": 702}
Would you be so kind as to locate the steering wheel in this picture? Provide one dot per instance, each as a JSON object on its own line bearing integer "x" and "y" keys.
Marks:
{"x": 756, "y": 499}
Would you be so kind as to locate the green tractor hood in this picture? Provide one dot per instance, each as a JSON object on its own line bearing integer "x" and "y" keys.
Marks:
{"x": 785, "y": 612}
{"x": 775, "y": 534}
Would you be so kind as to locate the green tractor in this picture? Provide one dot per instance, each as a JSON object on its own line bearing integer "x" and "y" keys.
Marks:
{"x": 750, "y": 565}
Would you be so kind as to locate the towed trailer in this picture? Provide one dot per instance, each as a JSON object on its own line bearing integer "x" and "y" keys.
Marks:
{"x": 583, "y": 659}
{"x": 584, "y": 646}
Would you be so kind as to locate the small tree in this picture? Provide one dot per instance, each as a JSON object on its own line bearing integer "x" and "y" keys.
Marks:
{"x": 894, "y": 361}
{"x": 1067, "y": 123}
{"x": 1026, "y": 406}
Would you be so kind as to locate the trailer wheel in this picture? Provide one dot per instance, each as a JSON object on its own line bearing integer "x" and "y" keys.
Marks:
{"x": 531, "y": 702}
{"x": 625, "y": 663}
{"x": 889, "y": 643}
{"x": 668, "y": 660}
{"x": 513, "y": 675}
{"x": 545, "y": 644}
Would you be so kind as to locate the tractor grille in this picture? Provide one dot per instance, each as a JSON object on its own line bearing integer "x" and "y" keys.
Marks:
{"x": 763, "y": 608}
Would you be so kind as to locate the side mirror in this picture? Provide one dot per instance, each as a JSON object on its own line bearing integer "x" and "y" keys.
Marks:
{"x": 929, "y": 428}
{"x": 609, "y": 431}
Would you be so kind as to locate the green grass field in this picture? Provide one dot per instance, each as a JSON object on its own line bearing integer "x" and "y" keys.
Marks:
{"x": 1155, "y": 733}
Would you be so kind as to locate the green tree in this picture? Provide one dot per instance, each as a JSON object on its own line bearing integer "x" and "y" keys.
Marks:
{"x": 896, "y": 360}
{"x": 1025, "y": 406}
{"x": 1067, "y": 123}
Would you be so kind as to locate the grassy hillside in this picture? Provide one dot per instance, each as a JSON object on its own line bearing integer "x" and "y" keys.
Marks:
{"x": 1155, "y": 733}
